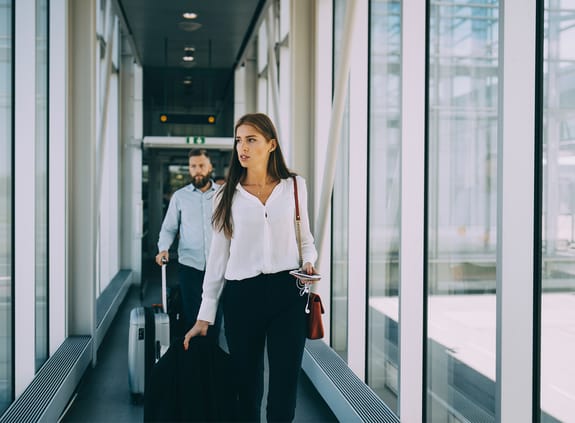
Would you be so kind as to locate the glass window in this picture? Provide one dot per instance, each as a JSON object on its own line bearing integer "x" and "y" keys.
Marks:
{"x": 461, "y": 244}
{"x": 6, "y": 335}
{"x": 41, "y": 170}
{"x": 558, "y": 267}
{"x": 340, "y": 211}
{"x": 384, "y": 195}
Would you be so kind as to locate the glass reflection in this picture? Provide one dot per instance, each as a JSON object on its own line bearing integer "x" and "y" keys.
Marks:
{"x": 340, "y": 207}
{"x": 463, "y": 112}
{"x": 558, "y": 267}
{"x": 41, "y": 169}
{"x": 384, "y": 194}
{"x": 6, "y": 335}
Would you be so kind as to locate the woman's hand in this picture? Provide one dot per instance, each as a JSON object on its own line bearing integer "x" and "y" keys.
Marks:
{"x": 200, "y": 328}
{"x": 310, "y": 270}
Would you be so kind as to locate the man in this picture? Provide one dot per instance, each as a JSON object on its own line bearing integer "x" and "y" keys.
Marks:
{"x": 190, "y": 214}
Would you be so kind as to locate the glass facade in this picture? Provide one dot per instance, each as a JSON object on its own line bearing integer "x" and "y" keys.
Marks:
{"x": 463, "y": 122}
{"x": 41, "y": 169}
{"x": 384, "y": 200}
{"x": 558, "y": 220}
{"x": 6, "y": 199}
{"x": 340, "y": 213}
{"x": 462, "y": 206}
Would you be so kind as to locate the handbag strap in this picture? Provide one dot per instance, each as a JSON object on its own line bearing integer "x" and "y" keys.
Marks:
{"x": 297, "y": 220}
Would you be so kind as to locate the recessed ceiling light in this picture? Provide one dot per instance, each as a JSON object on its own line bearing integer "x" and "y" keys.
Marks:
{"x": 192, "y": 49}
{"x": 187, "y": 81}
{"x": 189, "y": 26}
{"x": 189, "y": 15}
{"x": 188, "y": 58}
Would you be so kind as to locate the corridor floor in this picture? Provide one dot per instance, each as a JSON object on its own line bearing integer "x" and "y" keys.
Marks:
{"x": 104, "y": 395}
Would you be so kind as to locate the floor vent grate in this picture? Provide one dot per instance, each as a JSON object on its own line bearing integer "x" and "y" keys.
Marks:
{"x": 34, "y": 403}
{"x": 336, "y": 382}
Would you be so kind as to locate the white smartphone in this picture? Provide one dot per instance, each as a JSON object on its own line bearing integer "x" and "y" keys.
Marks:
{"x": 302, "y": 275}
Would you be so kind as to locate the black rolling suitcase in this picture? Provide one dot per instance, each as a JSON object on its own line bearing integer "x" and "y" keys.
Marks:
{"x": 178, "y": 326}
{"x": 191, "y": 386}
{"x": 149, "y": 339}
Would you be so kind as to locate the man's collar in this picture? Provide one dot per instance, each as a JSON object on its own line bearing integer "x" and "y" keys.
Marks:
{"x": 213, "y": 187}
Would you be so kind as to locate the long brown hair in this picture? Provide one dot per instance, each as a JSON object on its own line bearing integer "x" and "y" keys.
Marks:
{"x": 277, "y": 169}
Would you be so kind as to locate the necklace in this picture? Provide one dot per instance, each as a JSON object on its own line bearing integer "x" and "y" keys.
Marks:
{"x": 260, "y": 187}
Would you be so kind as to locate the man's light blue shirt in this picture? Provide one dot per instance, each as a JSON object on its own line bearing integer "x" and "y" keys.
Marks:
{"x": 190, "y": 212}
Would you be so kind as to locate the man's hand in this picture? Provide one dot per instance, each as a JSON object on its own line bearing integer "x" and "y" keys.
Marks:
{"x": 162, "y": 255}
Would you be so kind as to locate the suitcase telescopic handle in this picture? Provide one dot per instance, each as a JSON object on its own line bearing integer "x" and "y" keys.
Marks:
{"x": 164, "y": 295}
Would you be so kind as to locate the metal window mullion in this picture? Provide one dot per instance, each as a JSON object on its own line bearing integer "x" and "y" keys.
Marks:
{"x": 300, "y": 151}
{"x": 128, "y": 35}
{"x": 357, "y": 195}
{"x": 24, "y": 192}
{"x": 272, "y": 70}
{"x": 335, "y": 124}
{"x": 111, "y": 25}
{"x": 82, "y": 171}
{"x": 57, "y": 188}
{"x": 538, "y": 205}
{"x": 131, "y": 204}
{"x": 411, "y": 254}
{"x": 515, "y": 211}
{"x": 322, "y": 96}
{"x": 284, "y": 96}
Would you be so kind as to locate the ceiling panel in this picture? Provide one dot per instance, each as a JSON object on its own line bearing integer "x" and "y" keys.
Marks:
{"x": 206, "y": 85}
{"x": 161, "y": 33}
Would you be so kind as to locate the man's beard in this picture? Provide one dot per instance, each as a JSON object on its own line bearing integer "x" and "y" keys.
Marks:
{"x": 200, "y": 182}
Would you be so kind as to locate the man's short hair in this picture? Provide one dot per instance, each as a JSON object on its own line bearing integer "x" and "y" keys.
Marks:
{"x": 195, "y": 152}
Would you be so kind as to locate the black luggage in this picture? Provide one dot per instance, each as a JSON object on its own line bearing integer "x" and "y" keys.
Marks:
{"x": 191, "y": 386}
{"x": 178, "y": 326}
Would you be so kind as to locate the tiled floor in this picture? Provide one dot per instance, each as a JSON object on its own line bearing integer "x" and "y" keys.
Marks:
{"x": 104, "y": 396}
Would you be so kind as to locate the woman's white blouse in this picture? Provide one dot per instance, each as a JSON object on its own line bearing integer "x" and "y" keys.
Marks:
{"x": 264, "y": 241}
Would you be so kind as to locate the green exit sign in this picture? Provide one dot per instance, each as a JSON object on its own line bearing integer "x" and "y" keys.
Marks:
{"x": 195, "y": 140}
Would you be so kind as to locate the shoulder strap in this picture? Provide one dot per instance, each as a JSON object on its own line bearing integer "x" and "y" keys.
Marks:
{"x": 297, "y": 219}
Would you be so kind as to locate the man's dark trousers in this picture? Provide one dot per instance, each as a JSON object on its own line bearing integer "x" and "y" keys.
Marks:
{"x": 191, "y": 280}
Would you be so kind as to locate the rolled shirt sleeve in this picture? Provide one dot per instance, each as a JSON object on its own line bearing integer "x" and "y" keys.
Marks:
{"x": 170, "y": 225}
{"x": 308, "y": 250}
{"x": 214, "y": 278}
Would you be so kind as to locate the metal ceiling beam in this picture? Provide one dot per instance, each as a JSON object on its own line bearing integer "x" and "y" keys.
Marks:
{"x": 272, "y": 69}
{"x": 336, "y": 117}
{"x": 121, "y": 13}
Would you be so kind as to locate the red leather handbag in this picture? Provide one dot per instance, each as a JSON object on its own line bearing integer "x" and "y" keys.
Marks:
{"x": 314, "y": 307}
{"x": 314, "y": 319}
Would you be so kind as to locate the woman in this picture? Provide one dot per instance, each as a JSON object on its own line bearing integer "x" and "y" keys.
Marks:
{"x": 254, "y": 246}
